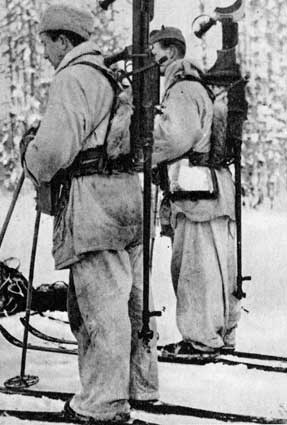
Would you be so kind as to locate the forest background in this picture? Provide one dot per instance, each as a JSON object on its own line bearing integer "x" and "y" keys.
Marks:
{"x": 25, "y": 77}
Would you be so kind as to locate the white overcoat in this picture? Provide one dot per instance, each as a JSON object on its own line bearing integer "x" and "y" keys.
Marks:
{"x": 203, "y": 267}
{"x": 80, "y": 97}
{"x": 184, "y": 124}
{"x": 98, "y": 236}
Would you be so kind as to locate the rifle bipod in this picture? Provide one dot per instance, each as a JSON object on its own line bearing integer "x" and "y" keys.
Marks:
{"x": 22, "y": 380}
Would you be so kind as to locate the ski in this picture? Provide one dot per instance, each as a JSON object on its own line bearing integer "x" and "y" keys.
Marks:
{"x": 172, "y": 409}
{"x": 158, "y": 408}
{"x": 202, "y": 360}
{"x": 41, "y": 335}
{"x": 54, "y": 395}
{"x": 15, "y": 341}
{"x": 59, "y": 417}
{"x": 47, "y": 316}
{"x": 244, "y": 354}
{"x": 255, "y": 356}
{"x": 184, "y": 359}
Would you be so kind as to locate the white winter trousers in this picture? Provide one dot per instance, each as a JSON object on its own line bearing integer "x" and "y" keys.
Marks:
{"x": 204, "y": 278}
{"x": 105, "y": 312}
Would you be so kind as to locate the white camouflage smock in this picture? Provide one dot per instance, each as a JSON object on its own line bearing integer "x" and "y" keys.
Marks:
{"x": 203, "y": 255}
{"x": 99, "y": 236}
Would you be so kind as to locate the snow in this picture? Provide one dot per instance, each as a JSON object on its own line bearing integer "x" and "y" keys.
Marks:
{"x": 215, "y": 387}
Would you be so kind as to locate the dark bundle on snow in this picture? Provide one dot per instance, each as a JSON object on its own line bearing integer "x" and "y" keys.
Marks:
{"x": 14, "y": 289}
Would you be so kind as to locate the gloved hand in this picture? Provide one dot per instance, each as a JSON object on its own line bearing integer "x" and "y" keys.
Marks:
{"x": 28, "y": 136}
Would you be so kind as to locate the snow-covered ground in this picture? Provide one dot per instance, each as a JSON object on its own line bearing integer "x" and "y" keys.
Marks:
{"x": 263, "y": 326}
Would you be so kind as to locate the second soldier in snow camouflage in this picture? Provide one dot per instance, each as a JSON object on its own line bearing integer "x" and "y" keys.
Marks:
{"x": 203, "y": 253}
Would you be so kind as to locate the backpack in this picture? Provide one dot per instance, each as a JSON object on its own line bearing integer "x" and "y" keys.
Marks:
{"x": 221, "y": 153}
{"x": 117, "y": 141}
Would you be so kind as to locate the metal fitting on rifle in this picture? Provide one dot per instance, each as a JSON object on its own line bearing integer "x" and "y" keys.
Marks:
{"x": 158, "y": 109}
{"x": 106, "y": 3}
{"x": 203, "y": 23}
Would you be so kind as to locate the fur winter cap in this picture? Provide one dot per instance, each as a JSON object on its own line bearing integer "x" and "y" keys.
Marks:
{"x": 68, "y": 18}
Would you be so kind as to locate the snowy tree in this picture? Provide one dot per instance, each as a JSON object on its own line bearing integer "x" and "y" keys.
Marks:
{"x": 28, "y": 75}
{"x": 263, "y": 53}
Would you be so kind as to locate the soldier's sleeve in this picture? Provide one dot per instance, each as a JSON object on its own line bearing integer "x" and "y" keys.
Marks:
{"x": 62, "y": 129}
{"x": 178, "y": 128}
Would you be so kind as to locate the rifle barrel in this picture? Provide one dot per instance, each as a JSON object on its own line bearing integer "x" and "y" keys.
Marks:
{"x": 116, "y": 57}
{"x": 142, "y": 134}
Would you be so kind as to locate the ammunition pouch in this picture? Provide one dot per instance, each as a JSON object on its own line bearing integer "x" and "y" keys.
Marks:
{"x": 196, "y": 195}
{"x": 53, "y": 196}
{"x": 95, "y": 161}
{"x": 196, "y": 159}
{"x": 48, "y": 195}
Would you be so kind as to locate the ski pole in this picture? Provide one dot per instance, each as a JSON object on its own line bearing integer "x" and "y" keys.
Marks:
{"x": 23, "y": 380}
{"x": 12, "y": 206}
{"x": 30, "y": 290}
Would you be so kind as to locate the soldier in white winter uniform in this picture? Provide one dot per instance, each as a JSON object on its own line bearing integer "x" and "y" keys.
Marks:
{"x": 98, "y": 232}
{"x": 203, "y": 252}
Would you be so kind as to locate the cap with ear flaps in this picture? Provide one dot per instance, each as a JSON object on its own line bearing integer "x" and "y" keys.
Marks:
{"x": 67, "y": 18}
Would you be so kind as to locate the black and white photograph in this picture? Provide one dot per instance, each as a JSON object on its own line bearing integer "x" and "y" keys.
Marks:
{"x": 143, "y": 212}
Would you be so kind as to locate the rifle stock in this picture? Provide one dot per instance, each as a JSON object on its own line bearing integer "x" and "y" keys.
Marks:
{"x": 226, "y": 72}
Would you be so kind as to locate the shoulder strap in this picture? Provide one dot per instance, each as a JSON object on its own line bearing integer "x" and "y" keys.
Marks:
{"x": 113, "y": 82}
{"x": 93, "y": 53}
{"x": 198, "y": 158}
{"x": 115, "y": 87}
{"x": 196, "y": 79}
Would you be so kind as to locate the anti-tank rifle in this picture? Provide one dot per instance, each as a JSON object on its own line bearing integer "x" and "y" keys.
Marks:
{"x": 145, "y": 87}
{"x": 226, "y": 73}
